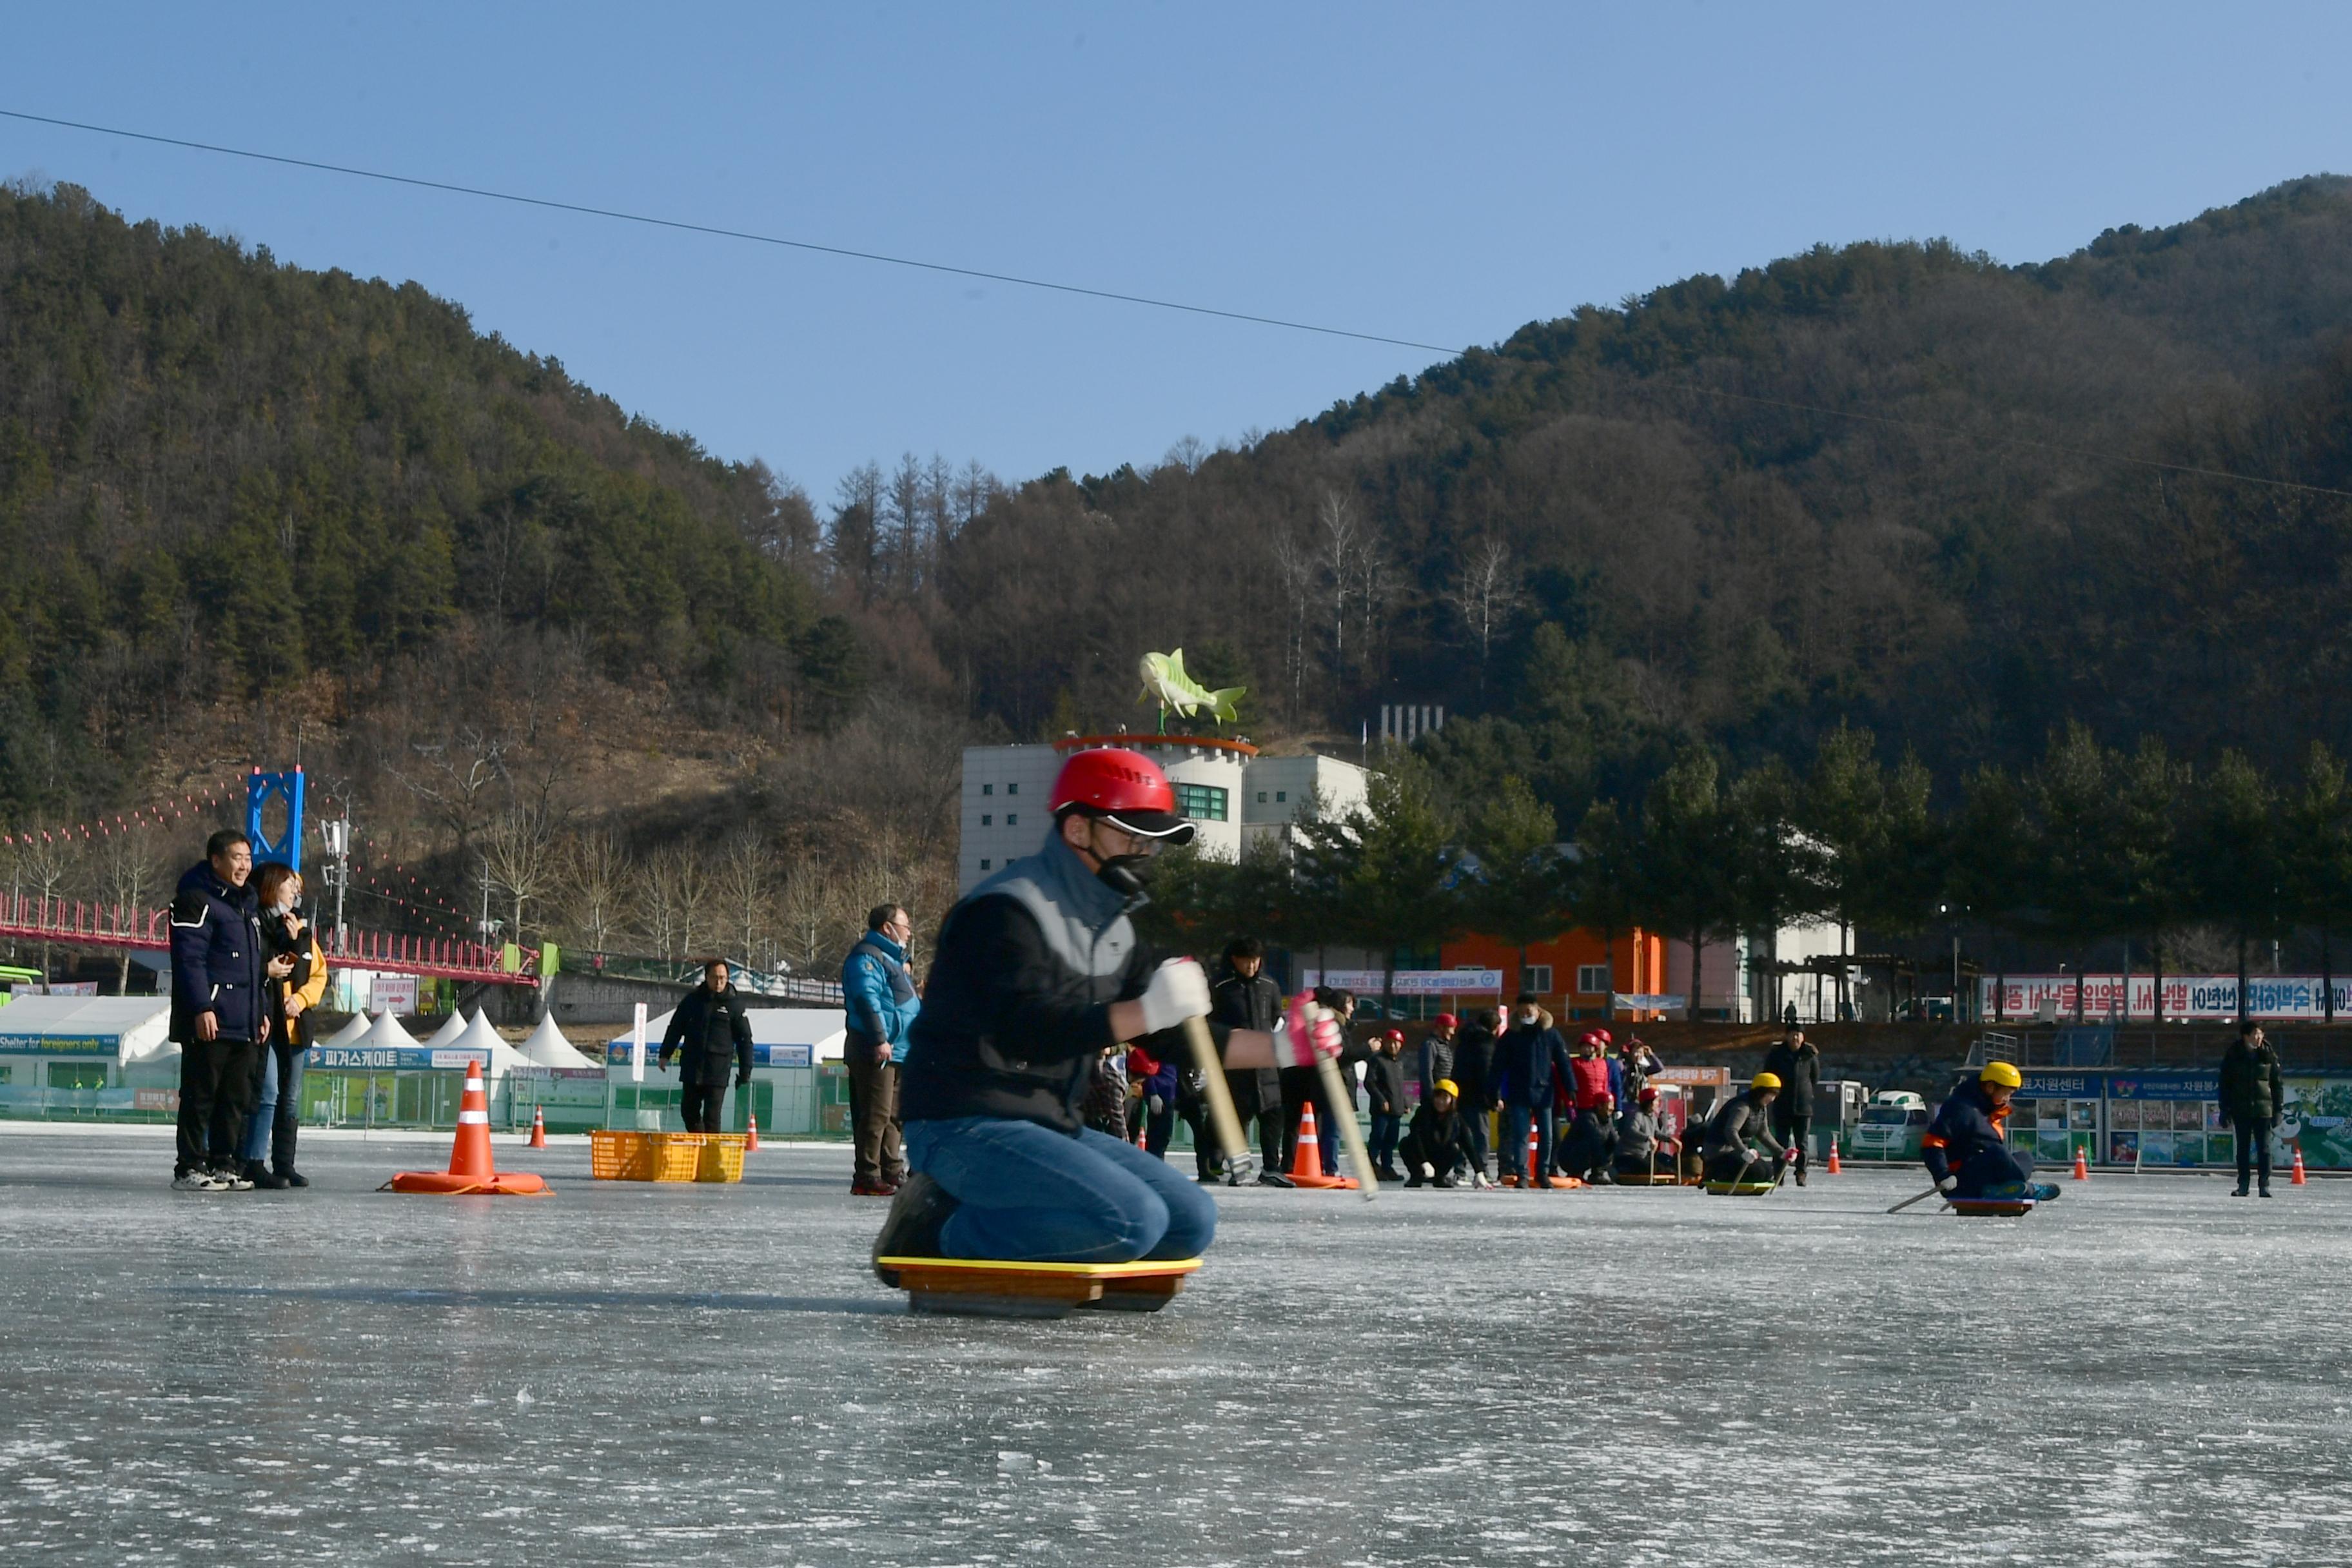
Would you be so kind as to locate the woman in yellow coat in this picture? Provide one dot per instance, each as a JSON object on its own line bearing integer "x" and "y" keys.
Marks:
{"x": 297, "y": 979}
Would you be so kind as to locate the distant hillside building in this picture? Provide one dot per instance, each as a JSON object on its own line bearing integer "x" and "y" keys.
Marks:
{"x": 1238, "y": 798}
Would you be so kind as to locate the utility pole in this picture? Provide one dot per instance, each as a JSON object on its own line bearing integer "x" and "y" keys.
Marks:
{"x": 337, "y": 836}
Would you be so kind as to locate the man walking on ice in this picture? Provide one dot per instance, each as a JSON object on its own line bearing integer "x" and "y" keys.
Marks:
{"x": 1035, "y": 974}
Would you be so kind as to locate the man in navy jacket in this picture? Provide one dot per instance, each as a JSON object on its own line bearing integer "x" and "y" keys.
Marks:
{"x": 1530, "y": 1060}
{"x": 219, "y": 1015}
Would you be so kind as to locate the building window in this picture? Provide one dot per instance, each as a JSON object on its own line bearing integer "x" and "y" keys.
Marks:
{"x": 1012, "y": 819}
{"x": 1261, "y": 797}
{"x": 1536, "y": 977}
{"x": 1012, "y": 789}
{"x": 988, "y": 789}
{"x": 1593, "y": 980}
{"x": 984, "y": 864}
{"x": 986, "y": 820}
{"x": 1201, "y": 803}
{"x": 1280, "y": 796}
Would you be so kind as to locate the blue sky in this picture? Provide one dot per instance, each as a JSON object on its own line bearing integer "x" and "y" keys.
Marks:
{"x": 1441, "y": 173}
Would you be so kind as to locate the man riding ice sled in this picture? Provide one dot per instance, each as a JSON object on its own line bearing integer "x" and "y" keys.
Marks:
{"x": 1038, "y": 972}
{"x": 1965, "y": 1151}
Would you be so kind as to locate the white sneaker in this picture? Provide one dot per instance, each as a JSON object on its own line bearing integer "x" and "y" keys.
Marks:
{"x": 231, "y": 1182}
{"x": 196, "y": 1182}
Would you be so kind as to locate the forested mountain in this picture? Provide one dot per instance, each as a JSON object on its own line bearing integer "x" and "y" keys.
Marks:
{"x": 1898, "y": 485}
{"x": 1881, "y": 483}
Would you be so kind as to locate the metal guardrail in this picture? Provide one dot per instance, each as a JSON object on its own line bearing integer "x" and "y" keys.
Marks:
{"x": 72, "y": 922}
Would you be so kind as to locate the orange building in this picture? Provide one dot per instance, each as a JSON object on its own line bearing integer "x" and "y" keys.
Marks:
{"x": 1575, "y": 973}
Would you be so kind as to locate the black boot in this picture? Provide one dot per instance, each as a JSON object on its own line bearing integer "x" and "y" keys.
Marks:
{"x": 918, "y": 1214}
{"x": 261, "y": 1176}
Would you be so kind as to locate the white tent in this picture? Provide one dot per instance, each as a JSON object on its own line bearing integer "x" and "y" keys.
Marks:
{"x": 451, "y": 1029}
{"x": 384, "y": 1033}
{"x": 486, "y": 1045}
{"x": 549, "y": 1048}
{"x": 350, "y": 1034}
{"x": 126, "y": 1028}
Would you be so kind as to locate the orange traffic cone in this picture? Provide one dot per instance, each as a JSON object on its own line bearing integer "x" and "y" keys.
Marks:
{"x": 1535, "y": 1155}
{"x": 1307, "y": 1157}
{"x": 471, "y": 1169}
{"x": 751, "y": 1134}
{"x": 537, "y": 1127}
{"x": 1835, "y": 1169}
{"x": 2081, "y": 1164}
{"x": 2295, "y": 1178}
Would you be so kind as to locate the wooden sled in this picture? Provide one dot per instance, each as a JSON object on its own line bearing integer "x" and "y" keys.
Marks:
{"x": 984, "y": 1287}
{"x": 1663, "y": 1177}
{"x": 1992, "y": 1208}
{"x": 1739, "y": 1189}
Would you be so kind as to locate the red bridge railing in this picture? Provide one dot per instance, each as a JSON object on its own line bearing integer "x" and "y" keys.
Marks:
{"x": 75, "y": 922}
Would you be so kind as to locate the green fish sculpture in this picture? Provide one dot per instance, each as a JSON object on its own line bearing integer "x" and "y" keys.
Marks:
{"x": 1164, "y": 679}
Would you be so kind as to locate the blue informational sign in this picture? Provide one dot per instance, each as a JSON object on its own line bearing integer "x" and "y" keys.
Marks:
{"x": 2165, "y": 1086}
{"x": 59, "y": 1045}
{"x": 2060, "y": 1086}
{"x": 617, "y": 1054}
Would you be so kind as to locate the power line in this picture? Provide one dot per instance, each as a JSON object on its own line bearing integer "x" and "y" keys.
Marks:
{"x": 1922, "y": 426}
{"x": 732, "y": 233}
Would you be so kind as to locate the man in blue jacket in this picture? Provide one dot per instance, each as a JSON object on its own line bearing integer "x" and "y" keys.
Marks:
{"x": 1530, "y": 1060}
{"x": 879, "y": 996}
{"x": 219, "y": 1016}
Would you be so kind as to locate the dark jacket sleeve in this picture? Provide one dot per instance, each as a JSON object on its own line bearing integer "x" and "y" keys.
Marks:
{"x": 742, "y": 1024}
{"x": 682, "y": 1017}
{"x": 192, "y": 939}
{"x": 2278, "y": 1093}
{"x": 1020, "y": 995}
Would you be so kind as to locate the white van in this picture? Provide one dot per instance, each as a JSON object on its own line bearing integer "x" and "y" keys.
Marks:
{"x": 1892, "y": 1127}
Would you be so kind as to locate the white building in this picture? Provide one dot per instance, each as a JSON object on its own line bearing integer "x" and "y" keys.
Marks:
{"x": 1238, "y": 798}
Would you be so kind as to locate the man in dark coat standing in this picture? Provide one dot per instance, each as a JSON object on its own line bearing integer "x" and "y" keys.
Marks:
{"x": 2252, "y": 1098}
{"x": 1797, "y": 1063}
{"x": 1473, "y": 1075}
{"x": 220, "y": 1016}
{"x": 1247, "y": 998}
{"x": 708, "y": 1028}
{"x": 1530, "y": 1060}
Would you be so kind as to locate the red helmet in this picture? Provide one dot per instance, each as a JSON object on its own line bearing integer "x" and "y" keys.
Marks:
{"x": 1446, "y": 1021}
{"x": 1396, "y": 1035}
{"x": 1603, "y": 1036}
{"x": 1124, "y": 788}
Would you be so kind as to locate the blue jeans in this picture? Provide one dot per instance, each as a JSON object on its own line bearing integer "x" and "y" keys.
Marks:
{"x": 1037, "y": 1195}
{"x": 1511, "y": 1154}
{"x": 1386, "y": 1125}
{"x": 279, "y": 1109}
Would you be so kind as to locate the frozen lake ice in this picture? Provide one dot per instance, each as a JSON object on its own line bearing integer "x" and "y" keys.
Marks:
{"x": 2146, "y": 1372}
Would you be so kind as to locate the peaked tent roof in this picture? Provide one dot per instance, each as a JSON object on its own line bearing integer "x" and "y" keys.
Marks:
{"x": 350, "y": 1034}
{"x": 451, "y": 1029}
{"x": 549, "y": 1048}
{"x": 386, "y": 1032}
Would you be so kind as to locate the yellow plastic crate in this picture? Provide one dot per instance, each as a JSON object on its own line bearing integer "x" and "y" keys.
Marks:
{"x": 666, "y": 1156}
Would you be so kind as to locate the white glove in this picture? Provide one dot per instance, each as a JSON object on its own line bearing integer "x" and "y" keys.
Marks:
{"x": 1178, "y": 990}
{"x": 1156, "y": 1104}
{"x": 1481, "y": 1181}
{"x": 1947, "y": 1184}
{"x": 1428, "y": 1172}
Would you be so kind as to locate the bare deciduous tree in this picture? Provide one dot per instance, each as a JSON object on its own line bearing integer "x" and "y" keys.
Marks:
{"x": 1486, "y": 593}
{"x": 597, "y": 876}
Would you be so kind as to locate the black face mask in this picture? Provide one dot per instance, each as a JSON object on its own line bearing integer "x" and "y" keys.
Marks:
{"x": 1125, "y": 874}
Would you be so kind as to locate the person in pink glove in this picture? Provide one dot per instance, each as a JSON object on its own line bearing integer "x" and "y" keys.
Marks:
{"x": 1036, "y": 973}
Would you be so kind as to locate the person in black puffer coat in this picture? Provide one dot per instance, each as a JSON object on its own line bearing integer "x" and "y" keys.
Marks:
{"x": 220, "y": 1017}
{"x": 708, "y": 1028}
{"x": 1797, "y": 1064}
{"x": 1474, "y": 1076}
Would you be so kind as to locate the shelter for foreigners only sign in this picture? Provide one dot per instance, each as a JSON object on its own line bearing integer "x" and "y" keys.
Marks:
{"x": 1410, "y": 981}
